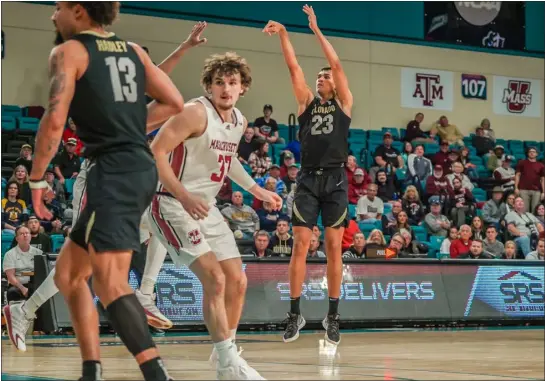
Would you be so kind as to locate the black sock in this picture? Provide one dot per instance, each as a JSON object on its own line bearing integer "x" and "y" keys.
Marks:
{"x": 154, "y": 370}
{"x": 92, "y": 370}
{"x": 333, "y": 306}
{"x": 294, "y": 306}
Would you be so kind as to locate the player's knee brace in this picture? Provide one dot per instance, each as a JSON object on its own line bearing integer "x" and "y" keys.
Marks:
{"x": 129, "y": 321}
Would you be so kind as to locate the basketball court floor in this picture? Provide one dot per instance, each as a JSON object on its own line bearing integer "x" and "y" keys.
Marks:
{"x": 405, "y": 354}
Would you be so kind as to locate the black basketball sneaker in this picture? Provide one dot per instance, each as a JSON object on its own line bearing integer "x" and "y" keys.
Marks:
{"x": 331, "y": 325}
{"x": 294, "y": 323}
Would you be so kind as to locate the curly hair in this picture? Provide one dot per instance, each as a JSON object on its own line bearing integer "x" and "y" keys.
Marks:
{"x": 226, "y": 64}
{"x": 103, "y": 13}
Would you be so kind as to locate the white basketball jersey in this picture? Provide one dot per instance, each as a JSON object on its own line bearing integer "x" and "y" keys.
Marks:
{"x": 202, "y": 163}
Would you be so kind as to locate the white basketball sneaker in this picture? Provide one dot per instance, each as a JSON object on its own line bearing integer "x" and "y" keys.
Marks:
{"x": 238, "y": 370}
{"x": 155, "y": 318}
{"x": 214, "y": 361}
{"x": 17, "y": 325}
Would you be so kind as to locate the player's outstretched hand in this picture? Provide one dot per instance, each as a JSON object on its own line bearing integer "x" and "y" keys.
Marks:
{"x": 38, "y": 203}
{"x": 273, "y": 27}
{"x": 312, "y": 21}
{"x": 194, "y": 38}
{"x": 195, "y": 206}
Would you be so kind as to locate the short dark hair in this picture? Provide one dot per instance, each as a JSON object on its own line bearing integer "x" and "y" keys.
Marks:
{"x": 102, "y": 13}
{"x": 283, "y": 219}
{"x": 327, "y": 68}
{"x": 492, "y": 227}
{"x": 479, "y": 241}
{"x": 18, "y": 187}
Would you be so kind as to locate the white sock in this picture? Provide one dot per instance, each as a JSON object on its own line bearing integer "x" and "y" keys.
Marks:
{"x": 45, "y": 292}
{"x": 227, "y": 352}
{"x": 233, "y": 334}
{"x": 154, "y": 261}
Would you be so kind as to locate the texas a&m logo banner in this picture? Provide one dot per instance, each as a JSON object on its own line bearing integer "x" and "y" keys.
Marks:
{"x": 426, "y": 89}
{"x": 517, "y": 96}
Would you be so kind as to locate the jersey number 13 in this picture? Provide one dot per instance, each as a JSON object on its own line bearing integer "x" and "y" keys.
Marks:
{"x": 126, "y": 91}
{"x": 322, "y": 125}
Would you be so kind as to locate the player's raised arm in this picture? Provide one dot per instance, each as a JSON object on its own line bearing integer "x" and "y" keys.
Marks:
{"x": 341, "y": 82}
{"x": 167, "y": 99}
{"x": 302, "y": 92}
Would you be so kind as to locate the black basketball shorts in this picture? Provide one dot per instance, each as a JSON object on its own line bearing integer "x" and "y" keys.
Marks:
{"x": 321, "y": 191}
{"x": 116, "y": 200}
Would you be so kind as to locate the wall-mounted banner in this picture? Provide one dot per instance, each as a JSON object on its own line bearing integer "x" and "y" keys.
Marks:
{"x": 427, "y": 89}
{"x": 474, "y": 86}
{"x": 517, "y": 96}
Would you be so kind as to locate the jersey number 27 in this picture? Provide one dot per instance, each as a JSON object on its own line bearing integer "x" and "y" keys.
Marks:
{"x": 125, "y": 92}
{"x": 321, "y": 125}
{"x": 225, "y": 162}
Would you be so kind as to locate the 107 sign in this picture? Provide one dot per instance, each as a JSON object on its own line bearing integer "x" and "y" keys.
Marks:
{"x": 473, "y": 86}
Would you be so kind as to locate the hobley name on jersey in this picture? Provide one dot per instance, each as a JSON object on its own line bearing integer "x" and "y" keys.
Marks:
{"x": 223, "y": 146}
{"x": 111, "y": 46}
{"x": 323, "y": 109}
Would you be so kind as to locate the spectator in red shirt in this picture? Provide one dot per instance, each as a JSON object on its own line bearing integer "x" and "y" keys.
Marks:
{"x": 530, "y": 180}
{"x": 287, "y": 161}
{"x": 348, "y": 236}
{"x": 70, "y": 133}
{"x": 462, "y": 245}
{"x": 441, "y": 158}
{"x": 350, "y": 167}
{"x": 358, "y": 186}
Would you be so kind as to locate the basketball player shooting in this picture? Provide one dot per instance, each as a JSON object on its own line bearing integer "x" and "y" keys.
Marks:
{"x": 324, "y": 121}
{"x": 103, "y": 80}
{"x": 195, "y": 151}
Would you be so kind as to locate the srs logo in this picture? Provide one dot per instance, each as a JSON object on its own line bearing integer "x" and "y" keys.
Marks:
{"x": 522, "y": 291}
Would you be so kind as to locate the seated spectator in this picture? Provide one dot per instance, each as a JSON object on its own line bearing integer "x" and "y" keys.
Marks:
{"x": 226, "y": 192}
{"x": 436, "y": 223}
{"x": 402, "y": 223}
{"x": 386, "y": 186}
{"x": 25, "y": 157}
{"x": 461, "y": 202}
{"x": 477, "y": 228}
{"x": 348, "y": 235}
{"x": 38, "y": 239}
{"x": 437, "y": 184}
{"x": 376, "y": 241}
{"x": 260, "y": 161}
{"x": 530, "y": 179}
{"x": 55, "y": 185}
{"x": 269, "y": 217}
{"x": 358, "y": 186}
{"x": 453, "y": 157}
{"x": 386, "y": 157}
{"x": 452, "y": 236}
{"x": 449, "y": 132}
{"x": 494, "y": 210}
{"x": 461, "y": 246}
{"x": 397, "y": 243}
{"x": 510, "y": 201}
{"x": 316, "y": 231}
{"x": 476, "y": 251}
{"x": 415, "y": 134}
{"x": 442, "y": 157}
{"x": 419, "y": 168}
{"x": 469, "y": 167}
{"x": 18, "y": 262}
{"x": 281, "y": 242}
{"x": 266, "y": 128}
{"x": 70, "y": 133}
{"x": 357, "y": 249}
{"x": 389, "y": 220}
{"x": 539, "y": 253}
{"x": 67, "y": 164}
{"x": 411, "y": 246}
{"x": 407, "y": 150}
{"x": 241, "y": 217}
{"x": 260, "y": 248}
{"x": 510, "y": 251}
{"x": 14, "y": 210}
{"x": 314, "y": 248}
{"x": 492, "y": 246}
{"x": 524, "y": 227}
{"x": 482, "y": 144}
{"x": 539, "y": 212}
{"x": 458, "y": 171}
{"x": 350, "y": 167}
{"x": 20, "y": 175}
{"x": 246, "y": 146}
{"x": 287, "y": 160}
{"x": 54, "y": 226}
{"x": 413, "y": 206}
{"x": 271, "y": 184}
{"x": 291, "y": 178}
{"x": 274, "y": 172}
{"x": 370, "y": 208}
{"x": 505, "y": 175}
{"x": 488, "y": 132}
{"x": 496, "y": 158}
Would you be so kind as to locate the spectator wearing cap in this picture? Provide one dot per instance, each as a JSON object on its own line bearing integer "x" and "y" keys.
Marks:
{"x": 482, "y": 144}
{"x": 437, "y": 184}
{"x": 70, "y": 133}
{"x": 350, "y": 167}
{"x": 266, "y": 127}
{"x": 461, "y": 202}
{"x": 436, "y": 223}
{"x": 530, "y": 180}
{"x": 495, "y": 160}
{"x": 419, "y": 167}
{"x": 246, "y": 146}
{"x": 14, "y": 209}
{"x": 441, "y": 157}
{"x": 386, "y": 157}
{"x": 287, "y": 160}
{"x": 38, "y": 239}
{"x": 67, "y": 163}
{"x": 495, "y": 210}
{"x": 274, "y": 172}
{"x": 291, "y": 177}
{"x": 458, "y": 171}
{"x": 505, "y": 175}
{"x": 358, "y": 186}
{"x": 370, "y": 208}
{"x": 415, "y": 134}
{"x": 386, "y": 186}
{"x": 260, "y": 161}
{"x": 449, "y": 132}
{"x": 25, "y": 157}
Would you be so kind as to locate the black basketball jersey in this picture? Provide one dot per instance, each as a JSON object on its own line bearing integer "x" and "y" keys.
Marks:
{"x": 109, "y": 104}
{"x": 324, "y": 135}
